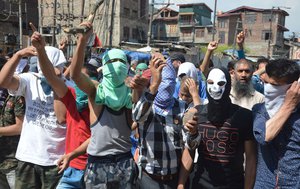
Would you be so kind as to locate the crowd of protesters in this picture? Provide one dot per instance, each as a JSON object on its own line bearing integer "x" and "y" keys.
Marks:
{"x": 163, "y": 124}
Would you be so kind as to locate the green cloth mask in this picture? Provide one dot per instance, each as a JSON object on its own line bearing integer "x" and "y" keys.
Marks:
{"x": 81, "y": 99}
{"x": 112, "y": 91}
{"x": 140, "y": 68}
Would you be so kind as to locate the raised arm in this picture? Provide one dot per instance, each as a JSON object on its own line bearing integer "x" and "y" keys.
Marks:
{"x": 81, "y": 80}
{"x": 7, "y": 78}
{"x": 57, "y": 84}
{"x": 205, "y": 64}
{"x": 240, "y": 39}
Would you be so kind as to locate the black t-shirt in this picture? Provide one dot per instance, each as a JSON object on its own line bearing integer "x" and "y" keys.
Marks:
{"x": 220, "y": 161}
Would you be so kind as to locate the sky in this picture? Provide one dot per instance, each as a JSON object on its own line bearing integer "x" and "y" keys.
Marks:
{"x": 225, "y": 5}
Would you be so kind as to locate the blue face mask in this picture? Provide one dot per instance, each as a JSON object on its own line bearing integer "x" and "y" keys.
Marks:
{"x": 45, "y": 86}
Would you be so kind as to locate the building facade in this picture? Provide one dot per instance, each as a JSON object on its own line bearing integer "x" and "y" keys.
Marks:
{"x": 264, "y": 36}
{"x": 195, "y": 25}
{"x": 165, "y": 25}
{"x": 12, "y": 13}
{"x": 115, "y": 21}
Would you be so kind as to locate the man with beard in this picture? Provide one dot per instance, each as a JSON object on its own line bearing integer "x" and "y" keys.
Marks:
{"x": 225, "y": 136}
{"x": 243, "y": 92}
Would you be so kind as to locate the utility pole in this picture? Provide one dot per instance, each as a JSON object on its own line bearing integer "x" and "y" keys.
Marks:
{"x": 150, "y": 25}
{"x": 214, "y": 21}
{"x": 111, "y": 28}
{"x": 82, "y": 10}
{"x": 20, "y": 24}
{"x": 54, "y": 23}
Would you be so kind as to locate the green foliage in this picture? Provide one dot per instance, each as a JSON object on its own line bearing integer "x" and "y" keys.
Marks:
{"x": 221, "y": 48}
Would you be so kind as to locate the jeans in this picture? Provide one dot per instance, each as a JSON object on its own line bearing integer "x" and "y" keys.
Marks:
{"x": 72, "y": 179}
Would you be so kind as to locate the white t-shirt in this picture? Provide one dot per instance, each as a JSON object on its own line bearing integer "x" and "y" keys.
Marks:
{"x": 42, "y": 140}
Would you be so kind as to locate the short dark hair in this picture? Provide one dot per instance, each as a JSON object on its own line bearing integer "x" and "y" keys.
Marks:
{"x": 262, "y": 60}
{"x": 230, "y": 65}
{"x": 283, "y": 68}
{"x": 91, "y": 70}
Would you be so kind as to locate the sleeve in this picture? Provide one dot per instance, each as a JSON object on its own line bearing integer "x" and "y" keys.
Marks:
{"x": 248, "y": 121}
{"x": 139, "y": 114}
{"x": 23, "y": 80}
{"x": 241, "y": 54}
{"x": 191, "y": 141}
{"x": 19, "y": 106}
{"x": 259, "y": 124}
{"x": 177, "y": 88}
{"x": 257, "y": 84}
{"x": 69, "y": 100}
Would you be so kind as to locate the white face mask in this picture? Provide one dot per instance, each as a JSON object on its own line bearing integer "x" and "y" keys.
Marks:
{"x": 216, "y": 83}
{"x": 274, "y": 97}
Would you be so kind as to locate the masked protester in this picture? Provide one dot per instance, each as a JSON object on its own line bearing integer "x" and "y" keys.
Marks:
{"x": 226, "y": 135}
{"x": 276, "y": 127}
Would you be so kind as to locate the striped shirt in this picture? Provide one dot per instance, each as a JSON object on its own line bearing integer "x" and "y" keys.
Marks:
{"x": 162, "y": 137}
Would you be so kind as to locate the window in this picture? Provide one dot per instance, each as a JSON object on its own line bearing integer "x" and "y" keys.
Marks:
{"x": 266, "y": 35}
{"x": 222, "y": 23}
{"x": 126, "y": 33}
{"x": 267, "y": 16}
{"x": 199, "y": 32}
{"x": 135, "y": 33}
{"x": 134, "y": 14}
{"x": 143, "y": 11}
{"x": 187, "y": 32}
{"x": 186, "y": 20}
{"x": 250, "y": 18}
{"x": 222, "y": 37}
{"x": 173, "y": 28}
{"x": 126, "y": 12}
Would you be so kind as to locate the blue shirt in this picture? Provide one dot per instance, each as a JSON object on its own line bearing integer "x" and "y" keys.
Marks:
{"x": 279, "y": 160}
{"x": 258, "y": 84}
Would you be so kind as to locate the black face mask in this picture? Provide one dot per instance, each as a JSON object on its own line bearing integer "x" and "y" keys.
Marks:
{"x": 219, "y": 110}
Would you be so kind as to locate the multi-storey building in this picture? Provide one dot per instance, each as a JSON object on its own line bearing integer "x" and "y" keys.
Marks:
{"x": 264, "y": 36}
{"x": 195, "y": 25}
{"x": 115, "y": 21}
{"x": 165, "y": 25}
{"x": 12, "y": 13}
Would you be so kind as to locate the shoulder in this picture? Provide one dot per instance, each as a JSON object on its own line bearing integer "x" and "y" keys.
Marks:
{"x": 260, "y": 107}
{"x": 258, "y": 95}
{"x": 241, "y": 114}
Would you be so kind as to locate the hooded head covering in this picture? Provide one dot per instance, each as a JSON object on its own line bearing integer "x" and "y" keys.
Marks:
{"x": 164, "y": 100}
{"x": 112, "y": 91}
{"x": 56, "y": 57}
{"x": 218, "y": 107}
{"x": 189, "y": 70}
{"x": 141, "y": 67}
